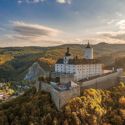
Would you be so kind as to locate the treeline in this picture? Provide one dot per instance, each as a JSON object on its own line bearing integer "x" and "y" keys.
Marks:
{"x": 28, "y": 109}
{"x": 94, "y": 107}
{"x": 97, "y": 107}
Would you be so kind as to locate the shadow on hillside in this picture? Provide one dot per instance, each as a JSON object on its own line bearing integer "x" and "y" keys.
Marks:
{"x": 16, "y": 68}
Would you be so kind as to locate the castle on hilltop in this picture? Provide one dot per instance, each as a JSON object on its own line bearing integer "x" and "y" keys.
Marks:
{"x": 73, "y": 74}
{"x": 72, "y": 68}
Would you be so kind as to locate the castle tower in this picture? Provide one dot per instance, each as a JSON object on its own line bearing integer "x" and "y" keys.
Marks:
{"x": 88, "y": 52}
{"x": 67, "y": 56}
{"x": 67, "y": 53}
{"x": 66, "y": 59}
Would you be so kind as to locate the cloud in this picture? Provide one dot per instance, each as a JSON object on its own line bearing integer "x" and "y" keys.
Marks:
{"x": 30, "y": 1}
{"x": 120, "y": 35}
{"x": 32, "y": 33}
{"x": 119, "y": 14}
{"x": 27, "y": 30}
{"x": 2, "y": 29}
{"x": 121, "y": 24}
{"x": 38, "y": 1}
{"x": 34, "y": 1}
{"x": 28, "y": 34}
{"x": 118, "y": 31}
{"x": 19, "y": 1}
{"x": 111, "y": 21}
{"x": 64, "y": 1}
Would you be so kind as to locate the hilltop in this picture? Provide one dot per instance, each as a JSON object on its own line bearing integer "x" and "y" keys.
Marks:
{"x": 15, "y": 61}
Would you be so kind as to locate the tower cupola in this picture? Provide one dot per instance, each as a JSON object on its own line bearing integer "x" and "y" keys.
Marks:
{"x": 67, "y": 53}
{"x": 67, "y": 56}
{"x": 88, "y": 52}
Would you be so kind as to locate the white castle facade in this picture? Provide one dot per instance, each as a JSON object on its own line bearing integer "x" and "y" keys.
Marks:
{"x": 85, "y": 67}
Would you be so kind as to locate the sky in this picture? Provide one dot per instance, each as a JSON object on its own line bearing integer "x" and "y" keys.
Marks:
{"x": 55, "y": 22}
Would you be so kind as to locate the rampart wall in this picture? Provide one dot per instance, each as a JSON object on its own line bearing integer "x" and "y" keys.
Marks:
{"x": 61, "y": 98}
{"x": 102, "y": 82}
{"x": 43, "y": 86}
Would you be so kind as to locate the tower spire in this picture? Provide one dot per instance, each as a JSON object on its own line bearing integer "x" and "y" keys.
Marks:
{"x": 88, "y": 45}
{"x": 88, "y": 52}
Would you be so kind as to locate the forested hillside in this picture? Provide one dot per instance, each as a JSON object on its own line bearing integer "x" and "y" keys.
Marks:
{"x": 15, "y": 61}
{"x": 94, "y": 107}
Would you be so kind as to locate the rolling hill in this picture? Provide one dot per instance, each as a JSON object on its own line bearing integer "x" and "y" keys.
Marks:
{"x": 15, "y": 61}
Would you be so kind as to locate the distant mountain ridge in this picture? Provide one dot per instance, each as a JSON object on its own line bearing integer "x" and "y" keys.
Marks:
{"x": 16, "y": 66}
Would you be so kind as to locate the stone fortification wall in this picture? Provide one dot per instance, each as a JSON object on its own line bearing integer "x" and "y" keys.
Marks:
{"x": 122, "y": 78}
{"x": 102, "y": 82}
{"x": 63, "y": 78}
{"x": 43, "y": 86}
{"x": 61, "y": 98}
{"x": 66, "y": 78}
{"x": 46, "y": 87}
{"x": 55, "y": 95}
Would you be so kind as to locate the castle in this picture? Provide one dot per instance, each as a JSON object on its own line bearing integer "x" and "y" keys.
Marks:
{"x": 77, "y": 69}
{"x": 71, "y": 75}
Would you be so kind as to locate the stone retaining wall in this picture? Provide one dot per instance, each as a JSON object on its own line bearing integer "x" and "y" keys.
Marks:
{"x": 61, "y": 98}
{"x": 102, "y": 82}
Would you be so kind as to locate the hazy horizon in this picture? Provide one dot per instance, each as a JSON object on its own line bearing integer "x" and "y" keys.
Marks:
{"x": 57, "y": 22}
